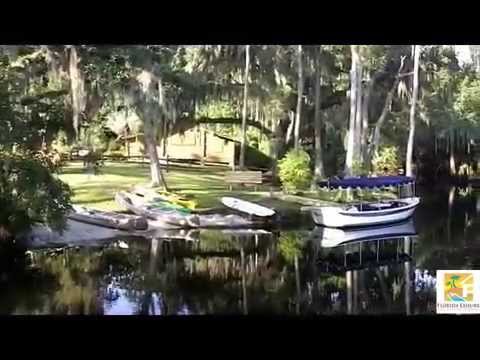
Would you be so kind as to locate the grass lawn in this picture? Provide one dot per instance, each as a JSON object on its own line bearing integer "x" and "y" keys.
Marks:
{"x": 206, "y": 185}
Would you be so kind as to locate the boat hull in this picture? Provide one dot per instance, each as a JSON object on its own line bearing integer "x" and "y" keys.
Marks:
{"x": 109, "y": 219}
{"x": 338, "y": 217}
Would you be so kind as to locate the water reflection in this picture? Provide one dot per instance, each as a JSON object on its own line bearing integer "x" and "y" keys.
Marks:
{"x": 306, "y": 271}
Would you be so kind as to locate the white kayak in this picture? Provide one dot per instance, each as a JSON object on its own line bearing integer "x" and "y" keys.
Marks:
{"x": 247, "y": 207}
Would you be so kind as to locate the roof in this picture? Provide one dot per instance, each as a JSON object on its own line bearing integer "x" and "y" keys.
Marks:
{"x": 367, "y": 182}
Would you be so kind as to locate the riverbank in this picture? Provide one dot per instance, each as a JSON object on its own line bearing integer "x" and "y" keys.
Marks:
{"x": 205, "y": 185}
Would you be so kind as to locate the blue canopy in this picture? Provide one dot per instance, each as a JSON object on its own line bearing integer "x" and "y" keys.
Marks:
{"x": 368, "y": 182}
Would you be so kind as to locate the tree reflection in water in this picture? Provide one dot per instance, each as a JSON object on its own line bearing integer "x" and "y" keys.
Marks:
{"x": 283, "y": 272}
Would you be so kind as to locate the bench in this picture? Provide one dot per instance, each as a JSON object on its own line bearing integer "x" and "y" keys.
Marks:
{"x": 244, "y": 178}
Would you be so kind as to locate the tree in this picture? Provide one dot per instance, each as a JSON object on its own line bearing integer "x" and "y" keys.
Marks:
{"x": 244, "y": 112}
{"x": 381, "y": 119}
{"x": 298, "y": 114}
{"x": 351, "y": 146}
{"x": 411, "y": 135}
{"x": 319, "y": 172}
{"x": 29, "y": 191}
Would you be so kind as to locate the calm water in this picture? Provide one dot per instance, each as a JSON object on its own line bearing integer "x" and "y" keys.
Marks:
{"x": 283, "y": 272}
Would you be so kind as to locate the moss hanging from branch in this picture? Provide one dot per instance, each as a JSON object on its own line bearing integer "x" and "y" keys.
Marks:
{"x": 77, "y": 85}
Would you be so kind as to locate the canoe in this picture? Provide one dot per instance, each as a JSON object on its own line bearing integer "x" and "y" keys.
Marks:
{"x": 108, "y": 219}
{"x": 247, "y": 207}
{"x": 164, "y": 217}
{"x": 367, "y": 214}
{"x": 332, "y": 237}
{"x": 161, "y": 216}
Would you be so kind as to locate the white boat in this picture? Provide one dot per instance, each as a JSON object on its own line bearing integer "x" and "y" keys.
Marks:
{"x": 332, "y": 237}
{"x": 108, "y": 219}
{"x": 247, "y": 207}
{"x": 367, "y": 214}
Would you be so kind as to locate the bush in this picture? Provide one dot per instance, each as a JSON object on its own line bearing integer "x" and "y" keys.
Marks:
{"x": 359, "y": 168}
{"x": 30, "y": 193}
{"x": 294, "y": 171}
{"x": 386, "y": 161}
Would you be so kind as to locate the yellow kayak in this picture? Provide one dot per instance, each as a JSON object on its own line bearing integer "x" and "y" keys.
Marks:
{"x": 173, "y": 198}
{"x": 178, "y": 199}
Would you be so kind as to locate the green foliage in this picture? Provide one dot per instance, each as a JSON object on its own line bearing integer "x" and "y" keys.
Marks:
{"x": 386, "y": 161}
{"x": 359, "y": 168}
{"x": 294, "y": 170}
{"x": 218, "y": 109}
{"x": 468, "y": 100}
{"x": 290, "y": 246}
{"x": 95, "y": 138}
{"x": 30, "y": 193}
{"x": 60, "y": 143}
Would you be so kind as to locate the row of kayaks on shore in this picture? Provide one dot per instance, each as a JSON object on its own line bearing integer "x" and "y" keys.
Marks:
{"x": 150, "y": 210}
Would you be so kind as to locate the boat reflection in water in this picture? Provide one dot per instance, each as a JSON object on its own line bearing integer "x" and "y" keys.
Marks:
{"x": 331, "y": 237}
{"x": 247, "y": 271}
{"x": 364, "y": 254}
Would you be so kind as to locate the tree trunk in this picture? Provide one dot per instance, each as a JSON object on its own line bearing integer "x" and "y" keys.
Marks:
{"x": 319, "y": 172}
{"x": 151, "y": 148}
{"x": 299, "y": 99}
{"x": 388, "y": 103}
{"x": 411, "y": 135}
{"x": 353, "y": 104}
{"x": 244, "y": 113}
{"x": 257, "y": 120}
{"x": 358, "y": 114}
{"x": 291, "y": 125}
{"x": 365, "y": 105}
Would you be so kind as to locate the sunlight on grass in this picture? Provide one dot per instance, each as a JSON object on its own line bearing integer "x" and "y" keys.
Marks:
{"x": 205, "y": 185}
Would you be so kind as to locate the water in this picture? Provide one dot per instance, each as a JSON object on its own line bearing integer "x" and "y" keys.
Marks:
{"x": 283, "y": 272}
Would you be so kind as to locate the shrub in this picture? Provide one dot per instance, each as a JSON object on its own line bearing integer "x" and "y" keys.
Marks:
{"x": 386, "y": 161}
{"x": 294, "y": 171}
{"x": 359, "y": 168}
{"x": 30, "y": 193}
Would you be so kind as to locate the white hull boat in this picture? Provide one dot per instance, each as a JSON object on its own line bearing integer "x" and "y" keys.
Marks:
{"x": 367, "y": 214}
{"x": 108, "y": 219}
{"x": 332, "y": 237}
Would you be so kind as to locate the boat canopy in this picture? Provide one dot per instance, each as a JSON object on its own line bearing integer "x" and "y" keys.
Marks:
{"x": 368, "y": 182}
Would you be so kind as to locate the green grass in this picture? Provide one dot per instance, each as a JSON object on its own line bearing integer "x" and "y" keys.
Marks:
{"x": 205, "y": 185}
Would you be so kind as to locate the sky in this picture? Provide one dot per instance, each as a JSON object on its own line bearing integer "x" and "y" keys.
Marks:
{"x": 463, "y": 54}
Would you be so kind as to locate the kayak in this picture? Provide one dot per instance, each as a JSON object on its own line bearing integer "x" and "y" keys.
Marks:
{"x": 159, "y": 215}
{"x": 247, "y": 207}
{"x": 178, "y": 201}
{"x": 108, "y": 219}
{"x": 162, "y": 216}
